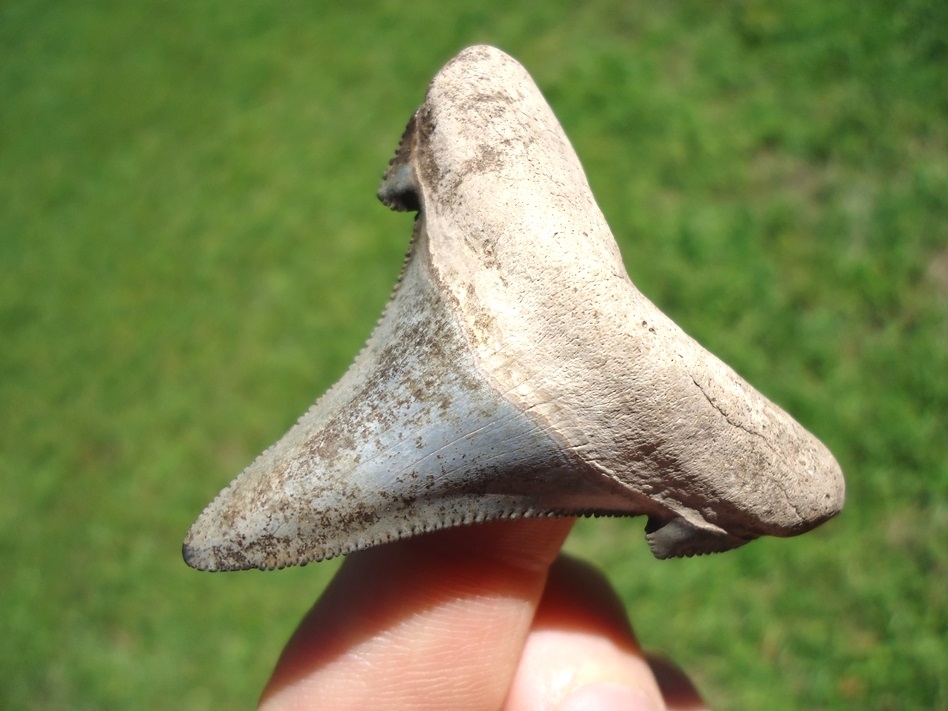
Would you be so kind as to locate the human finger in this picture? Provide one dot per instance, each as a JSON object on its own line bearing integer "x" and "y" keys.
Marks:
{"x": 581, "y": 653}
{"x": 433, "y": 622}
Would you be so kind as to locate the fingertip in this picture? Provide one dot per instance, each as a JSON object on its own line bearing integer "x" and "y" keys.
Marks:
{"x": 608, "y": 697}
{"x": 578, "y": 596}
{"x": 580, "y": 669}
{"x": 582, "y": 653}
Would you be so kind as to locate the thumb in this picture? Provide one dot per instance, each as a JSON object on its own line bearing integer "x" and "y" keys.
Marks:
{"x": 582, "y": 655}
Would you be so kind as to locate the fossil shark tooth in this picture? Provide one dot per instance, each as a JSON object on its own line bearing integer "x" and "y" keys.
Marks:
{"x": 516, "y": 372}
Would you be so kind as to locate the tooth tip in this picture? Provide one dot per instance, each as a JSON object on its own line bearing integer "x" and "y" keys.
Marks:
{"x": 198, "y": 558}
{"x": 199, "y": 554}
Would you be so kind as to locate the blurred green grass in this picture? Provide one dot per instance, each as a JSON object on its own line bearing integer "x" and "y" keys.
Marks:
{"x": 190, "y": 252}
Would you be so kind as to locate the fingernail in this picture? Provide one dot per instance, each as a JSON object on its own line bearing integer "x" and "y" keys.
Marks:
{"x": 608, "y": 697}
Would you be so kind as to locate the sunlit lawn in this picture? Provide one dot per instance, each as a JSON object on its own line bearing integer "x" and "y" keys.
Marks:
{"x": 191, "y": 251}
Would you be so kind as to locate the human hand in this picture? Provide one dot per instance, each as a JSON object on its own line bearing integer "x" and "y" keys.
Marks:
{"x": 478, "y": 617}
